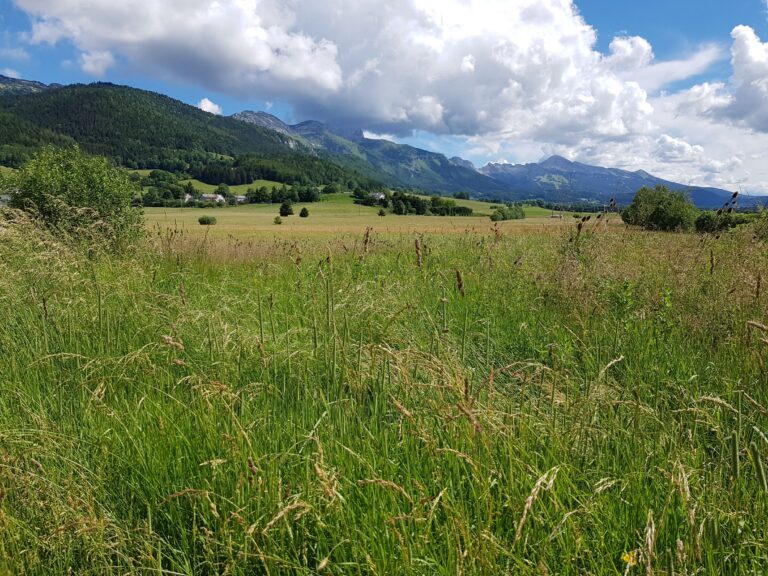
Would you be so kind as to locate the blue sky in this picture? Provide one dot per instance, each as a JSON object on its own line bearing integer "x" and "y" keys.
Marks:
{"x": 673, "y": 87}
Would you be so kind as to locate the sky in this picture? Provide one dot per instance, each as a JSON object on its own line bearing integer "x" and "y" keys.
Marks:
{"x": 678, "y": 88}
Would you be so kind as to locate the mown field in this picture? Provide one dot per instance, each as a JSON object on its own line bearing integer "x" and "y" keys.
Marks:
{"x": 411, "y": 402}
{"x": 336, "y": 214}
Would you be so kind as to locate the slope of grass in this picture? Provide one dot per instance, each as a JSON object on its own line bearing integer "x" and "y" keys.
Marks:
{"x": 365, "y": 404}
{"x": 238, "y": 190}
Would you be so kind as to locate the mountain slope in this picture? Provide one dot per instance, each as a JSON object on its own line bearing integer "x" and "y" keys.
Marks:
{"x": 560, "y": 180}
{"x": 9, "y": 86}
{"x": 395, "y": 164}
{"x": 139, "y": 128}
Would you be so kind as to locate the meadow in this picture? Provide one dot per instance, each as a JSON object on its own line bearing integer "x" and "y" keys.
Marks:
{"x": 336, "y": 213}
{"x": 428, "y": 397}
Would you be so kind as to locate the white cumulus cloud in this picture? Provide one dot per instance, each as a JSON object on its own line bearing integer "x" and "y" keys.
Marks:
{"x": 206, "y": 105}
{"x": 96, "y": 63}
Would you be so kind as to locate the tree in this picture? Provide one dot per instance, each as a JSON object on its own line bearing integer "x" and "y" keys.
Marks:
{"x": 711, "y": 222}
{"x": 304, "y": 213}
{"x": 510, "y": 212}
{"x": 223, "y": 189}
{"x": 286, "y": 209}
{"x": 382, "y": 212}
{"x": 79, "y": 195}
{"x": 660, "y": 209}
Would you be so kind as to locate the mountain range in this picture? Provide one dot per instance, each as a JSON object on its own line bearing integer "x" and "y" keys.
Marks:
{"x": 144, "y": 129}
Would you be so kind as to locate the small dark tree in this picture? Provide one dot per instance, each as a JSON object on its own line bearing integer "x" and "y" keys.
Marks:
{"x": 304, "y": 213}
{"x": 382, "y": 212}
{"x": 286, "y": 209}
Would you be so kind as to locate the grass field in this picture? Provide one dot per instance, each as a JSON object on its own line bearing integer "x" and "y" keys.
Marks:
{"x": 6, "y": 170}
{"x": 335, "y": 214}
{"x": 238, "y": 190}
{"x": 529, "y": 401}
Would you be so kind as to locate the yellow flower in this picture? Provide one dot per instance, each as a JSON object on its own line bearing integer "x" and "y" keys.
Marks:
{"x": 630, "y": 558}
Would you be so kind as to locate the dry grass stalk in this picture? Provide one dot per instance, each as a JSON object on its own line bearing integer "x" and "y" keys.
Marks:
{"x": 298, "y": 505}
{"x": 608, "y": 367}
{"x": 470, "y": 416}
{"x": 419, "y": 258}
{"x": 546, "y": 482}
{"x": 386, "y": 484}
{"x": 402, "y": 409}
{"x": 171, "y": 343}
{"x": 182, "y": 293}
{"x": 649, "y": 544}
{"x": 460, "y": 283}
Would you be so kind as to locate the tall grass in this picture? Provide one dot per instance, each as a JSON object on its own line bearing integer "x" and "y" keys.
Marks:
{"x": 476, "y": 405}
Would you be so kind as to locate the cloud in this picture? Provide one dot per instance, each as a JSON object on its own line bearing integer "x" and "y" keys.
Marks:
{"x": 670, "y": 149}
{"x": 14, "y": 54}
{"x": 10, "y": 73}
{"x": 208, "y": 106}
{"x": 96, "y": 63}
{"x": 234, "y": 46}
{"x": 403, "y": 66}
{"x": 468, "y": 63}
{"x": 744, "y": 99}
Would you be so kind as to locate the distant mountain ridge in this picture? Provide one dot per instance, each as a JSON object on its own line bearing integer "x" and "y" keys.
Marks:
{"x": 559, "y": 179}
{"x": 556, "y": 179}
{"x": 394, "y": 164}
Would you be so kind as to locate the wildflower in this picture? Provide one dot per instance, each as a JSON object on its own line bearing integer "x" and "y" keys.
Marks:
{"x": 630, "y": 558}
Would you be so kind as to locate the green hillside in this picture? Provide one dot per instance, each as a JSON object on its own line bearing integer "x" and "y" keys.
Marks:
{"x": 136, "y": 128}
{"x": 19, "y": 137}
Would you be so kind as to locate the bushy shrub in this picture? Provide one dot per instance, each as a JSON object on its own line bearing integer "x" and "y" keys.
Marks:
{"x": 659, "y": 209}
{"x": 78, "y": 196}
{"x": 207, "y": 220}
{"x": 277, "y": 220}
{"x": 710, "y": 222}
{"x": 304, "y": 213}
{"x": 761, "y": 225}
{"x": 514, "y": 212}
{"x": 286, "y": 209}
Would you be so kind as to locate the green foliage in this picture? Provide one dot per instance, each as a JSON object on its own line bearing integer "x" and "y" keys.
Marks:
{"x": 717, "y": 221}
{"x": 660, "y": 209}
{"x": 77, "y": 194}
{"x": 207, "y": 220}
{"x": 403, "y": 203}
{"x": 508, "y": 212}
{"x": 277, "y": 220}
{"x": 21, "y": 138}
{"x": 761, "y": 225}
{"x": 286, "y": 209}
{"x": 139, "y": 129}
{"x": 304, "y": 213}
